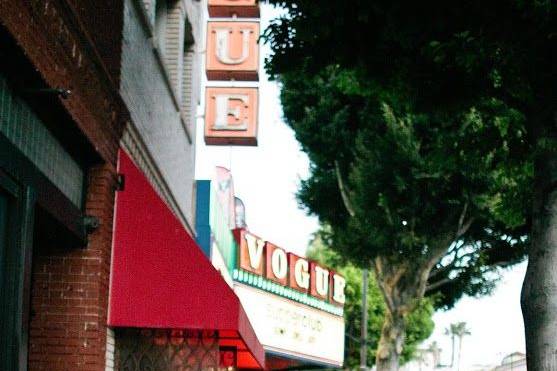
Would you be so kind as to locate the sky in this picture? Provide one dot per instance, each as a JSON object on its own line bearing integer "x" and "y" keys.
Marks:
{"x": 495, "y": 323}
{"x": 266, "y": 178}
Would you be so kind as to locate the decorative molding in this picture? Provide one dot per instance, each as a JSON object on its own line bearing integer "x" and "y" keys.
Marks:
{"x": 264, "y": 284}
{"x": 110, "y": 350}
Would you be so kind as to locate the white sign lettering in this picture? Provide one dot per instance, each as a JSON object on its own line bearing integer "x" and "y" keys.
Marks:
{"x": 321, "y": 280}
{"x": 279, "y": 263}
{"x": 224, "y": 110}
{"x": 223, "y": 46}
{"x": 255, "y": 250}
{"x": 301, "y": 273}
{"x": 339, "y": 283}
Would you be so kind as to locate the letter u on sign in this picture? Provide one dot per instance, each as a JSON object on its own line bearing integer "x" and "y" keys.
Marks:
{"x": 233, "y": 51}
{"x": 319, "y": 281}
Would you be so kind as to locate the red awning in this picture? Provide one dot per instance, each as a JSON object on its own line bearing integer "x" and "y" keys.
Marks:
{"x": 161, "y": 279}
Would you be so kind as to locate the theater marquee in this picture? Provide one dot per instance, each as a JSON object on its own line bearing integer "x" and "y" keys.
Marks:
{"x": 292, "y": 329}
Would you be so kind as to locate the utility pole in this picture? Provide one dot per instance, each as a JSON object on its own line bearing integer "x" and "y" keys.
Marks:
{"x": 363, "y": 341}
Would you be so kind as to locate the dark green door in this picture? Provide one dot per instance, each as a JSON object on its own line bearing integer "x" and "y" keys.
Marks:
{"x": 3, "y": 232}
{"x": 16, "y": 228}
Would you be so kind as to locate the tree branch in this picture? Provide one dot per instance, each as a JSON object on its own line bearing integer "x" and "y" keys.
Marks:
{"x": 397, "y": 276}
{"x": 437, "y": 284}
{"x": 343, "y": 191}
{"x": 379, "y": 273}
{"x": 462, "y": 216}
{"x": 464, "y": 228}
{"x": 463, "y": 224}
{"x": 435, "y": 271}
{"x": 437, "y": 250}
{"x": 444, "y": 281}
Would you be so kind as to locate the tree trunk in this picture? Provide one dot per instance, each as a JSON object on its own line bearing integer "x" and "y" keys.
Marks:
{"x": 391, "y": 342}
{"x": 402, "y": 286}
{"x": 539, "y": 291}
{"x": 459, "y": 352}
{"x": 452, "y": 351}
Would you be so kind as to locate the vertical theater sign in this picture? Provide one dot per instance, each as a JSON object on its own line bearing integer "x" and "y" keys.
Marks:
{"x": 232, "y": 55}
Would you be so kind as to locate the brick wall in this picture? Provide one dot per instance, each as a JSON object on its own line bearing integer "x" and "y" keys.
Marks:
{"x": 60, "y": 51}
{"x": 102, "y": 22}
{"x": 69, "y": 301}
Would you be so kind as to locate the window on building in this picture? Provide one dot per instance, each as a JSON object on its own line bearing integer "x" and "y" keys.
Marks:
{"x": 188, "y": 73}
{"x": 149, "y": 6}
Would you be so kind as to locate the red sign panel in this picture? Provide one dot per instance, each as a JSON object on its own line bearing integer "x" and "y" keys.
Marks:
{"x": 299, "y": 273}
{"x": 319, "y": 280}
{"x": 231, "y": 8}
{"x": 233, "y": 51}
{"x": 231, "y": 116}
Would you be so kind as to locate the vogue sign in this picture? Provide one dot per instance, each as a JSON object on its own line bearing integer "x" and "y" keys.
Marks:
{"x": 275, "y": 264}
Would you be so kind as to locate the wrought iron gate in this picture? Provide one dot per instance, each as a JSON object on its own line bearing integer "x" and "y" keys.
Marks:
{"x": 162, "y": 350}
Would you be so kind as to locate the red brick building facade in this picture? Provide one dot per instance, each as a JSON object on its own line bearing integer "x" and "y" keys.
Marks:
{"x": 61, "y": 73}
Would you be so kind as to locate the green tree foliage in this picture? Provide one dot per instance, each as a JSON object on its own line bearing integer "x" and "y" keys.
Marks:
{"x": 411, "y": 180}
{"x": 419, "y": 322}
{"x": 431, "y": 129}
{"x": 422, "y": 199}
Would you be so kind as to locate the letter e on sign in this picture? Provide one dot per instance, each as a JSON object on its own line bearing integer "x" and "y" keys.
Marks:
{"x": 277, "y": 264}
{"x": 231, "y": 116}
{"x": 298, "y": 273}
{"x": 251, "y": 253}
